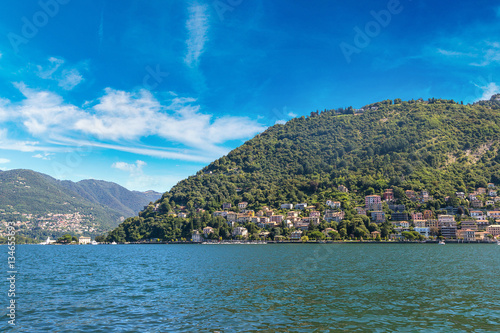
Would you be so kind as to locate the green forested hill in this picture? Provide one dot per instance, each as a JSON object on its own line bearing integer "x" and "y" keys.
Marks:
{"x": 438, "y": 145}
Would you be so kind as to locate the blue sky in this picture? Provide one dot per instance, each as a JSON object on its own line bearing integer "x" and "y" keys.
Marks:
{"x": 145, "y": 93}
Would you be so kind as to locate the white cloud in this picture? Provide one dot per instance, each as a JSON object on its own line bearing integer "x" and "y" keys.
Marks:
{"x": 197, "y": 26}
{"x": 66, "y": 78}
{"x": 489, "y": 56}
{"x": 70, "y": 79}
{"x": 4, "y": 160}
{"x": 8, "y": 144}
{"x": 454, "y": 53}
{"x": 139, "y": 181}
{"x": 123, "y": 115}
{"x": 489, "y": 90}
{"x": 48, "y": 72}
{"x": 118, "y": 120}
{"x": 44, "y": 156}
{"x": 42, "y": 111}
{"x": 133, "y": 169}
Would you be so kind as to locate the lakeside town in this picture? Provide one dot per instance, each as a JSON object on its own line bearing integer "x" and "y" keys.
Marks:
{"x": 469, "y": 217}
{"x": 477, "y": 220}
{"x": 51, "y": 223}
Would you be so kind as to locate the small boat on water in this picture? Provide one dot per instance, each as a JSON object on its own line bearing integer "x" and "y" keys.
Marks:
{"x": 441, "y": 242}
{"x": 47, "y": 242}
{"x": 114, "y": 243}
{"x": 94, "y": 242}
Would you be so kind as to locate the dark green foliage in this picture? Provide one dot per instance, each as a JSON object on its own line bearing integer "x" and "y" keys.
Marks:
{"x": 438, "y": 145}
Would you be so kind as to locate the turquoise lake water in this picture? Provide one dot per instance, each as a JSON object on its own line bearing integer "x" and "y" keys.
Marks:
{"x": 256, "y": 288}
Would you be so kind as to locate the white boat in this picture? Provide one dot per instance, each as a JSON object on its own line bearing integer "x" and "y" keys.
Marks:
{"x": 47, "y": 242}
{"x": 441, "y": 242}
{"x": 94, "y": 242}
{"x": 114, "y": 243}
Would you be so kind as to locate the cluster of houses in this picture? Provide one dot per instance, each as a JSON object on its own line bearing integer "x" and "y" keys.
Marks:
{"x": 300, "y": 216}
{"x": 57, "y": 223}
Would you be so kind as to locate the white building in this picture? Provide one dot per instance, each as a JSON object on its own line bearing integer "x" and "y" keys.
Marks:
{"x": 286, "y": 206}
{"x": 333, "y": 204}
{"x": 240, "y": 231}
{"x": 301, "y": 206}
{"x": 196, "y": 236}
{"x": 296, "y": 235}
{"x": 423, "y": 231}
{"x": 84, "y": 240}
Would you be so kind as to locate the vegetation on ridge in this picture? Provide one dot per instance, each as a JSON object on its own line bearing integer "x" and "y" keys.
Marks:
{"x": 437, "y": 145}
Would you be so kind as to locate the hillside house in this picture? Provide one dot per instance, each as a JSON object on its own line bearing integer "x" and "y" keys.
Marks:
{"x": 196, "y": 236}
{"x": 301, "y": 206}
{"x": 388, "y": 195}
{"x": 207, "y": 231}
{"x": 332, "y": 215}
{"x": 477, "y": 214}
{"x": 240, "y": 231}
{"x": 296, "y": 235}
{"x": 378, "y": 216}
{"x": 342, "y": 188}
{"x": 373, "y": 202}
{"x": 333, "y": 204}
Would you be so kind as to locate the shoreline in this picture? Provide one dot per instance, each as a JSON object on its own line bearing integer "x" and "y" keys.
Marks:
{"x": 300, "y": 242}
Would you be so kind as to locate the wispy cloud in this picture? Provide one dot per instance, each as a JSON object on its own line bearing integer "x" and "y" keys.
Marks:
{"x": 119, "y": 120}
{"x": 489, "y": 55}
{"x": 488, "y": 90}
{"x": 44, "y": 156}
{"x": 133, "y": 169}
{"x": 454, "y": 53}
{"x": 43, "y": 112}
{"x": 4, "y": 160}
{"x": 67, "y": 78}
{"x": 138, "y": 180}
{"x": 197, "y": 26}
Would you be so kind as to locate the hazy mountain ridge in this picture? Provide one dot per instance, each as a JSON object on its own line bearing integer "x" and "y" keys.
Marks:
{"x": 30, "y": 192}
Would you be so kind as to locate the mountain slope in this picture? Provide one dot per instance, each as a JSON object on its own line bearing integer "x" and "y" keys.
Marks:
{"x": 102, "y": 204}
{"x": 30, "y": 192}
{"x": 437, "y": 145}
{"x": 112, "y": 195}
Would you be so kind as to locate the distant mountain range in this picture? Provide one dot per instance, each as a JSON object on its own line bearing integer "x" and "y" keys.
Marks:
{"x": 30, "y": 192}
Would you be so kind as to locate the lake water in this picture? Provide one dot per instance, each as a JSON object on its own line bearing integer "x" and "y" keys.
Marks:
{"x": 256, "y": 288}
